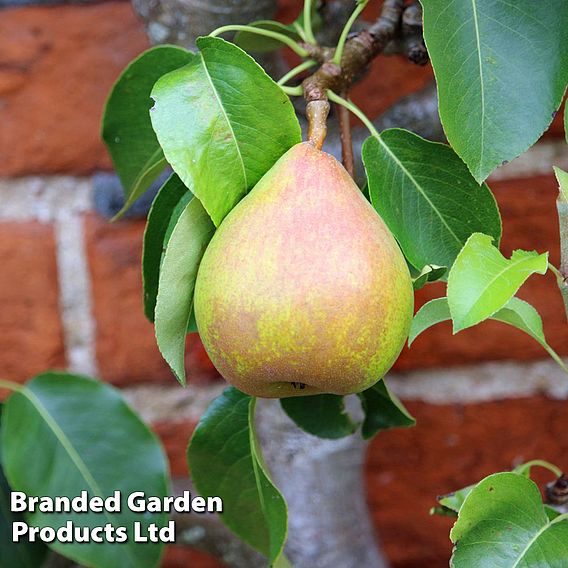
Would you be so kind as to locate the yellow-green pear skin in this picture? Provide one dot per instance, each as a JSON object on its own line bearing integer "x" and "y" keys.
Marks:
{"x": 303, "y": 290}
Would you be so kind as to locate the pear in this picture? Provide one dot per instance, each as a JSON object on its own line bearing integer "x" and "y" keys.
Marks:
{"x": 303, "y": 290}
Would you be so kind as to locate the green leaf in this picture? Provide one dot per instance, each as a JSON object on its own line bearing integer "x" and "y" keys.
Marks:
{"x": 383, "y": 410}
{"x": 222, "y": 123}
{"x": 126, "y": 128}
{"x": 516, "y": 313}
{"x": 22, "y": 554}
{"x": 321, "y": 415}
{"x": 166, "y": 209}
{"x": 501, "y": 68}
{"x": 282, "y": 562}
{"x": 225, "y": 461}
{"x": 252, "y": 42}
{"x": 429, "y": 273}
{"x": 562, "y": 178}
{"x": 551, "y": 513}
{"x": 452, "y": 502}
{"x": 482, "y": 280}
{"x": 427, "y": 197}
{"x": 174, "y": 302}
{"x": 523, "y": 316}
{"x": 431, "y": 313}
{"x": 80, "y": 435}
{"x": 503, "y": 523}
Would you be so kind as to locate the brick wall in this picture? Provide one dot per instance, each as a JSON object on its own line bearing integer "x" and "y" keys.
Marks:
{"x": 70, "y": 291}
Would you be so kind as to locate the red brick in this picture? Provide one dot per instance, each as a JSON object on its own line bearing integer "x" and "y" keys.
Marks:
{"x": 32, "y": 337}
{"x": 178, "y": 557}
{"x": 451, "y": 447}
{"x": 57, "y": 65}
{"x": 175, "y": 436}
{"x": 530, "y": 222}
{"x": 126, "y": 346}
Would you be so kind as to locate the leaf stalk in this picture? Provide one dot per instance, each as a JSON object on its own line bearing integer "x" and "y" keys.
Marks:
{"x": 355, "y": 110}
{"x": 308, "y": 28}
{"x": 296, "y": 71}
{"x": 361, "y": 5}
{"x": 293, "y": 45}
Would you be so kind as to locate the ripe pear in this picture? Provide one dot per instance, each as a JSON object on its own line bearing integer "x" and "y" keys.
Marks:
{"x": 303, "y": 289}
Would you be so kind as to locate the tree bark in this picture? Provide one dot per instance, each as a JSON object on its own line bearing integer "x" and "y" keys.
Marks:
{"x": 322, "y": 481}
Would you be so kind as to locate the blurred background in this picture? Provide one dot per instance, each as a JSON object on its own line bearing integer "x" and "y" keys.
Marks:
{"x": 70, "y": 285}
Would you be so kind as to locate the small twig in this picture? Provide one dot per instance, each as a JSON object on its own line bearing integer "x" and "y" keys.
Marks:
{"x": 346, "y": 138}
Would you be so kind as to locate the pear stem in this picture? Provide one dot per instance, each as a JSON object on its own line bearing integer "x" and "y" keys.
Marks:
{"x": 316, "y": 112}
